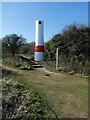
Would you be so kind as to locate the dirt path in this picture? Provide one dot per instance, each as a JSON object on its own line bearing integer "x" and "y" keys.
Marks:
{"x": 11, "y": 69}
{"x": 58, "y": 89}
{"x": 49, "y": 72}
{"x": 22, "y": 72}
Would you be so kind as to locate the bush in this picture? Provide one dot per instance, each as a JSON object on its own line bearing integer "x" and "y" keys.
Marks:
{"x": 20, "y": 103}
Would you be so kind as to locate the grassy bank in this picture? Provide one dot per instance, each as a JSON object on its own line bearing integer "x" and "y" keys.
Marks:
{"x": 67, "y": 95}
{"x": 20, "y": 101}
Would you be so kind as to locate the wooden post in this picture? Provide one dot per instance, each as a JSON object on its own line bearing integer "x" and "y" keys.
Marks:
{"x": 57, "y": 58}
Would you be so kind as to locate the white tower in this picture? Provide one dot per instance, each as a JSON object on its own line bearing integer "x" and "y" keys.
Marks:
{"x": 39, "y": 42}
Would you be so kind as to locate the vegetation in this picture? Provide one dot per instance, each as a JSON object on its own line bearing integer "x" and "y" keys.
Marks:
{"x": 20, "y": 102}
{"x": 66, "y": 95}
{"x": 11, "y": 43}
{"x": 73, "y": 44}
{"x": 27, "y": 49}
{"x": 65, "y": 92}
{"x": 74, "y": 49}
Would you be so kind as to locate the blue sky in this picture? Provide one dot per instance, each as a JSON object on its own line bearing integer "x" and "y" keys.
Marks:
{"x": 19, "y": 17}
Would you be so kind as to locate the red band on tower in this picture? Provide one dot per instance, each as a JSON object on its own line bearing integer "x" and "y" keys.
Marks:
{"x": 39, "y": 49}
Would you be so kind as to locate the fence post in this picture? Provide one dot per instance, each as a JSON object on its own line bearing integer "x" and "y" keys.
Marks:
{"x": 57, "y": 58}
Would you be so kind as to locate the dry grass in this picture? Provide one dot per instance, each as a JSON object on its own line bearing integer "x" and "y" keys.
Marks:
{"x": 66, "y": 94}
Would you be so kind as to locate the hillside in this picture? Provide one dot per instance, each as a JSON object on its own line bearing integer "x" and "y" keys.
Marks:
{"x": 55, "y": 88}
{"x": 20, "y": 102}
{"x": 39, "y": 90}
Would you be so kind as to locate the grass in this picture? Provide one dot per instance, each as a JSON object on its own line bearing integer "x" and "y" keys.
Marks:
{"x": 52, "y": 69}
{"x": 39, "y": 107}
{"x": 65, "y": 91}
{"x": 66, "y": 94}
{"x": 22, "y": 102}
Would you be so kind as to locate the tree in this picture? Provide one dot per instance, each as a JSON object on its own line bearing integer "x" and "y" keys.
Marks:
{"x": 74, "y": 47}
{"x": 27, "y": 48}
{"x": 13, "y": 42}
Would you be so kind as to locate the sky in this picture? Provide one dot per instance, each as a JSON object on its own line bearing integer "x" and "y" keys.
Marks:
{"x": 45, "y": 0}
{"x": 20, "y": 17}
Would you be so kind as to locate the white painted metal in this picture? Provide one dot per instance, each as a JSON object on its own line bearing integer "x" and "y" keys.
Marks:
{"x": 39, "y": 56}
{"x": 39, "y": 33}
{"x": 39, "y": 40}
